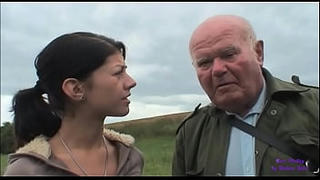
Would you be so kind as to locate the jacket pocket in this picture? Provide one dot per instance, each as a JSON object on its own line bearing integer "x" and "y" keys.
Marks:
{"x": 310, "y": 147}
{"x": 305, "y": 140}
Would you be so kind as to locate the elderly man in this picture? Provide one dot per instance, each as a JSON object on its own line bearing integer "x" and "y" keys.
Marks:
{"x": 229, "y": 64}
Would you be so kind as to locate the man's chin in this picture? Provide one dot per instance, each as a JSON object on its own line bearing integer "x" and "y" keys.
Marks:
{"x": 226, "y": 103}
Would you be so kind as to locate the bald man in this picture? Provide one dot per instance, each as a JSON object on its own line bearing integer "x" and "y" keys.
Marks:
{"x": 228, "y": 60}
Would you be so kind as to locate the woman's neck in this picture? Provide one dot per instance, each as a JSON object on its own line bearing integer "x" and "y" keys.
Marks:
{"x": 82, "y": 131}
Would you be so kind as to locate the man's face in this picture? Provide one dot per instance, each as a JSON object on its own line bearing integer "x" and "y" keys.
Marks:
{"x": 228, "y": 66}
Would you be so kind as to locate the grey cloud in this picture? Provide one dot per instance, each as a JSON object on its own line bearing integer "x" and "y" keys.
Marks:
{"x": 157, "y": 34}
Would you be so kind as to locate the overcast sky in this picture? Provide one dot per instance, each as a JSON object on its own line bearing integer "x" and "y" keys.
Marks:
{"x": 156, "y": 36}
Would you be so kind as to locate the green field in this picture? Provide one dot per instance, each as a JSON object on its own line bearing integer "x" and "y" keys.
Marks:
{"x": 4, "y": 159}
{"x": 157, "y": 155}
{"x": 155, "y": 137}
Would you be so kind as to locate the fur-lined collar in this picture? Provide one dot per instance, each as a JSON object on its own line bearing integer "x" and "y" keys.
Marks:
{"x": 41, "y": 146}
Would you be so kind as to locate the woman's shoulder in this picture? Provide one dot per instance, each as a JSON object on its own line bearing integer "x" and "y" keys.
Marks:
{"x": 34, "y": 158}
{"x": 125, "y": 139}
{"x": 24, "y": 160}
{"x": 124, "y": 143}
{"x": 21, "y": 164}
{"x": 39, "y": 145}
{"x": 131, "y": 159}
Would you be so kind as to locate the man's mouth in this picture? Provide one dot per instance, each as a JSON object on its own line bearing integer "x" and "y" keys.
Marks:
{"x": 225, "y": 84}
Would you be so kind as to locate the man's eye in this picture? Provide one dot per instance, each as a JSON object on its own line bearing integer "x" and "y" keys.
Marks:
{"x": 227, "y": 55}
{"x": 205, "y": 62}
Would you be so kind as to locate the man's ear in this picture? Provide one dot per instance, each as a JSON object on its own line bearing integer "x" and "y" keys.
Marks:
{"x": 74, "y": 89}
{"x": 259, "y": 51}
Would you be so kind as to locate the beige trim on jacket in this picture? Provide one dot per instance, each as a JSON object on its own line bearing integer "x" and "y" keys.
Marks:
{"x": 36, "y": 158}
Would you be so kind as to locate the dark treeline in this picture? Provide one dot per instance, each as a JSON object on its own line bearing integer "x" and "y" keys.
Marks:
{"x": 7, "y": 138}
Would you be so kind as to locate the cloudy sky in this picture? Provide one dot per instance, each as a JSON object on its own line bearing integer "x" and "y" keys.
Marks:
{"x": 156, "y": 36}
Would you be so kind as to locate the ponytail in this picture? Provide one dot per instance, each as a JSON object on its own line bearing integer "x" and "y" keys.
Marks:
{"x": 32, "y": 116}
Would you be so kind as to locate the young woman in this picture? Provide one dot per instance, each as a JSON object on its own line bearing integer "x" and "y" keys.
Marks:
{"x": 59, "y": 123}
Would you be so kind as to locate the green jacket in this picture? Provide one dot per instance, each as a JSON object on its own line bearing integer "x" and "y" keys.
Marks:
{"x": 290, "y": 114}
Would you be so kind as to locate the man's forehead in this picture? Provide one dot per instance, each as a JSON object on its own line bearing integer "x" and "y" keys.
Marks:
{"x": 212, "y": 39}
{"x": 215, "y": 25}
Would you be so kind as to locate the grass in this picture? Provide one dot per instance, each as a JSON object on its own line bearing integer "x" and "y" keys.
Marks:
{"x": 155, "y": 137}
{"x": 4, "y": 159}
{"x": 157, "y": 153}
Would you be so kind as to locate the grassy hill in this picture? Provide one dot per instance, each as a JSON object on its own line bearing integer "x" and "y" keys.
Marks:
{"x": 165, "y": 125}
{"x": 154, "y": 136}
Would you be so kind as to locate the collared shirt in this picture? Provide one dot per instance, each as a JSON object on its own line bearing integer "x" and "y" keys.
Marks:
{"x": 240, "y": 157}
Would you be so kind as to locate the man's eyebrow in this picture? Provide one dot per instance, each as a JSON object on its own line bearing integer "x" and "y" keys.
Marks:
{"x": 229, "y": 48}
{"x": 219, "y": 51}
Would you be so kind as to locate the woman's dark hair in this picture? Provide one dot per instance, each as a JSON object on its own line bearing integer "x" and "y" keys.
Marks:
{"x": 74, "y": 55}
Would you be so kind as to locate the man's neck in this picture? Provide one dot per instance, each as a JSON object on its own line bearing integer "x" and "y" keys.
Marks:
{"x": 255, "y": 107}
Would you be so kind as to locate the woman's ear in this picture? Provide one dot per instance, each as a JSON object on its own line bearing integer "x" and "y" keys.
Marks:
{"x": 74, "y": 89}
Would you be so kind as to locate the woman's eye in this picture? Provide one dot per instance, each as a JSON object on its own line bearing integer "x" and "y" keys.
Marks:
{"x": 118, "y": 73}
{"x": 121, "y": 71}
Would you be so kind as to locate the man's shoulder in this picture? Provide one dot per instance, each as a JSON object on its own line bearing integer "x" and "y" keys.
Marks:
{"x": 198, "y": 110}
{"x": 282, "y": 87}
{"x": 296, "y": 80}
{"x": 276, "y": 85}
{"x": 309, "y": 91}
{"x": 294, "y": 91}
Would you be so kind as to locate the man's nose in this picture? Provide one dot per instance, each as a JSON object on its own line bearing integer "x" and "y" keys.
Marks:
{"x": 218, "y": 67}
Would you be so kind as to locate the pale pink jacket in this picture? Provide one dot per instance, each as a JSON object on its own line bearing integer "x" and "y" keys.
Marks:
{"x": 36, "y": 159}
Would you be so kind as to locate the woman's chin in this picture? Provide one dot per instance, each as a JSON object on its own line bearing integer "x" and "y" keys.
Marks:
{"x": 121, "y": 113}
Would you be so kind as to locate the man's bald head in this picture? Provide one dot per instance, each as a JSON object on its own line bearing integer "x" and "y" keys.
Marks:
{"x": 222, "y": 23}
{"x": 228, "y": 62}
